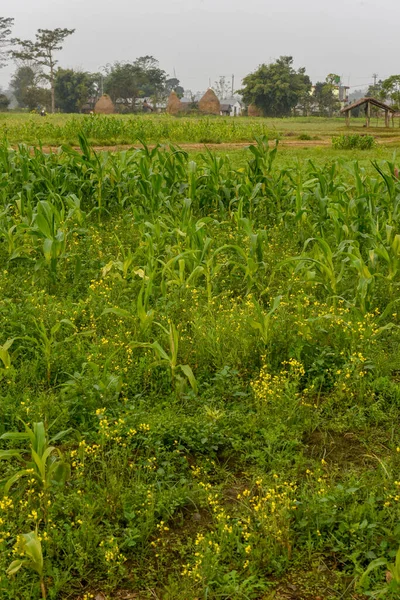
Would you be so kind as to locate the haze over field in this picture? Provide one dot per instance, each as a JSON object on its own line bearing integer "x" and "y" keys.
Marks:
{"x": 204, "y": 39}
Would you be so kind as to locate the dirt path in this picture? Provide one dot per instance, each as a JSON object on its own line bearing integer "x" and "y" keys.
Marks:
{"x": 197, "y": 147}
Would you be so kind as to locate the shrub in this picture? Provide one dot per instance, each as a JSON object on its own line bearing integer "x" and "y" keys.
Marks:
{"x": 350, "y": 142}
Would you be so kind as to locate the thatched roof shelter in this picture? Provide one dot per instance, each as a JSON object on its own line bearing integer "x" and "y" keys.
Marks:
{"x": 209, "y": 103}
{"x": 174, "y": 105}
{"x": 104, "y": 106}
{"x": 368, "y": 102}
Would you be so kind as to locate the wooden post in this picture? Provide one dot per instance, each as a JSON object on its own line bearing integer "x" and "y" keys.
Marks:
{"x": 348, "y": 118}
{"x": 368, "y": 111}
{"x": 387, "y": 119}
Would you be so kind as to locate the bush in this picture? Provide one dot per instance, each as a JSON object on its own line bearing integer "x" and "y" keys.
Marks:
{"x": 349, "y": 142}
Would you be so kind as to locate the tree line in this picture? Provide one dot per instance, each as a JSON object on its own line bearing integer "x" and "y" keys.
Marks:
{"x": 39, "y": 81}
{"x": 277, "y": 89}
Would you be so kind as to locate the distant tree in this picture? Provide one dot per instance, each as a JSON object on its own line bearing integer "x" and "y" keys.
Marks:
{"x": 152, "y": 78}
{"x": 333, "y": 79}
{"x": 6, "y": 24}
{"x": 358, "y": 94}
{"x": 127, "y": 82}
{"x": 36, "y": 96}
{"x": 391, "y": 89}
{"x": 375, "y": 91}
{"x": 325, "y": 97}
{"x": 122, "y": 82}
{"x": 4, "y": 102}
{"x": 173, "y": 84}
{"x": 222, "y": 88}
{"x": 276, "y": 88}
{"x": 41, "y": 52}
{"x": 24, "y": 78}
{"x": 73, "y": 89}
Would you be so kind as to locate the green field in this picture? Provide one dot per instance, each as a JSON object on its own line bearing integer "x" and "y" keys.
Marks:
{"x": 199, "y": 366}
{"x": 126, "y": 130}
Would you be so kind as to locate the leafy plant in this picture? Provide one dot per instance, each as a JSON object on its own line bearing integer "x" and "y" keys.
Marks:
{"x": 46, "y": 463}
{"x": 29, "y": 546}
{"x": 354, "y": 141}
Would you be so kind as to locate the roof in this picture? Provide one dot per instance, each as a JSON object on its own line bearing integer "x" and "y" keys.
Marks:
{"x": 372, "y": 101}
{"x": 232, "y": 100}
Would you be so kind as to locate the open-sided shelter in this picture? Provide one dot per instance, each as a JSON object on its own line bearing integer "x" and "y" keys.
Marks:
{"x": 368, "y": 102}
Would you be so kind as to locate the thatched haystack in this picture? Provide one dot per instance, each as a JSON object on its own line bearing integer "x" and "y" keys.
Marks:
{"x": 104, "y": 106}
{"x": 174, "y": 105}
{"x": 209, "y": 104}
{"x": 253, "y": 111}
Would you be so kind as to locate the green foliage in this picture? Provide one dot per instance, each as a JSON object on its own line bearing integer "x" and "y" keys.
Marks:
{"x": 46, "y": 464}
{"x": 220, "y": 333}
{"x": 325, "y": 98}
{"x": 350, "y": 142}
{"x": 41, "y": 53}
{"x": 128, "y": 81}
{"x": 4, "y": 102}
{"x": 73, "y": 89}
{"x": 28, "y": 545}
{"x": 24, "y": 84}
{"x": 276, "y": 88}
{"x": 6, "y": 24}
{"x": 390, "y": 89}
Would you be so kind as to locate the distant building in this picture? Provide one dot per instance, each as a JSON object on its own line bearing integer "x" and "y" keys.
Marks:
{"x": 231, "y": 107}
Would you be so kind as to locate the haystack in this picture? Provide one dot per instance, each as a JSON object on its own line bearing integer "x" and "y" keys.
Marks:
{"x": 253, "y": 111}
{"x": 104, "y": 106}
{"x": 209, "y": 104}
{"x": 174, "y": 105}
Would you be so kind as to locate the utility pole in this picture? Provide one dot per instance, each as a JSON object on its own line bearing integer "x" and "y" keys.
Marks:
{"x": 233, "y": 83}
{"x": 375, "y": 76}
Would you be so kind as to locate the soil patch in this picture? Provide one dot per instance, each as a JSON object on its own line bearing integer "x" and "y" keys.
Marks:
{"x": 338, "y": 448}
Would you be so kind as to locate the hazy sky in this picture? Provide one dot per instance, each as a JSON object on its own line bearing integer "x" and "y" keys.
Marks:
{"x": 204, "y": 39}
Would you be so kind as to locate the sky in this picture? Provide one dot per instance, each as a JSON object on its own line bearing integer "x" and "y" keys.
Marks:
{"x": 201, "y": 40}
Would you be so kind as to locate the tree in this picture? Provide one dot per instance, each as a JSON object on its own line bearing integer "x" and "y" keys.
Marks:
{"x": 375, "y": 91}
{"x": 173, "y": 84}
{"x": 37, "y": 96}
{"x": 122, "y": 83}
{"x": 6, "y": 24}
{"x": 41, "y": 52}
{"x": 276, "y": 88}
{"x": 24, "y": 78}
{"x": 325, "y": 97}
{"x": 4, "y": 102}
{"x": 127, "y": 82}
{"x": 152, "y": 78}
{"x": 391, "y": 89}
{"x": 73, "y": 89}
{"x": 222, "y": 88}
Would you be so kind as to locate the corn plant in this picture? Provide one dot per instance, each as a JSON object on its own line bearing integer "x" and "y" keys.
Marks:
{"x": 392, "y": 584}
{"x": 29, "y": 548}
{"x": 40, "y": 460}
{"x": 262, "y": 322}
{"x": 169, "y": 357}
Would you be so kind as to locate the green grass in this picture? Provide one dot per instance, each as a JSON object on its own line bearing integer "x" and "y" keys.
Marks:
{"x": 122, "y": 129}
{"x": 215, "y": 338}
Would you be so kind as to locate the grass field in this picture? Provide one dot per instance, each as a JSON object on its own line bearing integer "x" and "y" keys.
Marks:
{"x": 125, "y": 130}
{"x": 199, "y": 370}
